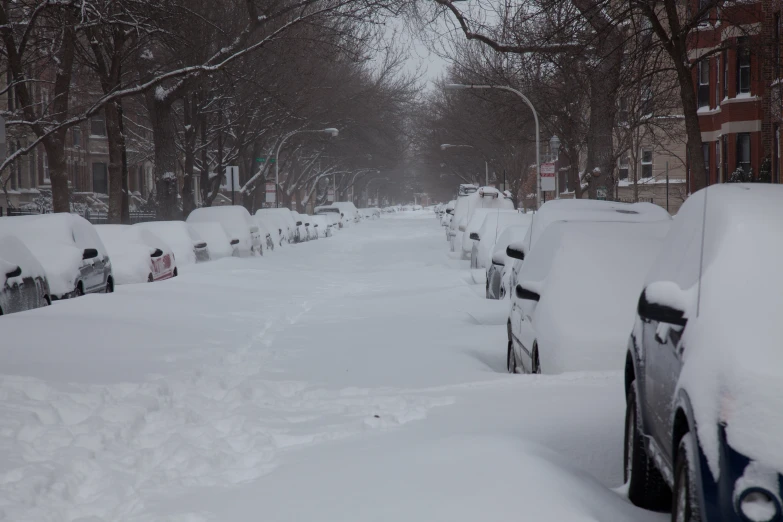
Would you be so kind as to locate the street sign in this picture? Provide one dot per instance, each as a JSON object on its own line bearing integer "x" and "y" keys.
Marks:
{"x": 265, "y": 160}
{"x": 270, "y": 192}
{"x": 548, "y": 177}
{"x": 230, "y": 180}
{"x": 600, "y": 193}
{"x": 330, "y": 195}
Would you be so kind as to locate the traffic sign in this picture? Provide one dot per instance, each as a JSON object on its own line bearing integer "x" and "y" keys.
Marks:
{"x": 270, "y": 192}
{"x": 548, "y": 177}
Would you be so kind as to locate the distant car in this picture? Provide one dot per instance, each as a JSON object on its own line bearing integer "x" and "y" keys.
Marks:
{"x": 280, "y": 222}
{"x": 484, "y": 197}
{"x": 467, "y": 189}
{"x": 303, "y": 226}
{"x": 500, "y": 263}
{"x": 575, "y": 294}
{"x": 326, "y": 210}
{"x": 237, "y": 222}
{"x": 188, "y": 246}
{"x": 471, "y": 239}
{"x": 138, "y": 255}
{"x": 71, "y": 253}
{"x": 322, "y": 226}
{"x": 217, "y": 239}
{"x": 349, "y": 211}
{"x": 704, "y": 371}
{"x": 333, "y": 220}
{"x": 23, "y": 284}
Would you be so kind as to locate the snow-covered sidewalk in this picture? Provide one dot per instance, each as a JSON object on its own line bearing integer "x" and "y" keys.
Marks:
{"x": 359, "y": 377}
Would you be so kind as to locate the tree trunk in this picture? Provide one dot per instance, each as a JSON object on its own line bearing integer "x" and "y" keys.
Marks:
{"x": 58, "y": 171}
{"x": 114, "y": 138}
{"x": 692, "y": 129}
{"x": 164, "y": 135}
{"x": 188, "y": 200}
{"x": 125, "y": 182}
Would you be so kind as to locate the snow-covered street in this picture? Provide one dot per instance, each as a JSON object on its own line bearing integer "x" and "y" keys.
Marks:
{"x": 358, "y": 378}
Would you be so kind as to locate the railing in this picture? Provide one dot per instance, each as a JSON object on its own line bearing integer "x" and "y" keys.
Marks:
{"x": 630, "y": 200}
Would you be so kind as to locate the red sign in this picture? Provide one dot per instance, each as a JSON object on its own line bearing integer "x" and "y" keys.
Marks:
{"x": 547, "y": 170}
{"x": 270, "y": 192}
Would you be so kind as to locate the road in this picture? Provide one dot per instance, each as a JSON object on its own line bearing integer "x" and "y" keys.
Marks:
{"x": 356, "y": 378}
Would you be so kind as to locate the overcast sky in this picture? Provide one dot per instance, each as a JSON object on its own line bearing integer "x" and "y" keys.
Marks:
{"x": 420, "y": 58}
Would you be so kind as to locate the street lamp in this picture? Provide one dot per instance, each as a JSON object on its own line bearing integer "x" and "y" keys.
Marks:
{"x": 445, "y": 146}
{"x": 331, "y": 131}
{"x": 460, "y": 86}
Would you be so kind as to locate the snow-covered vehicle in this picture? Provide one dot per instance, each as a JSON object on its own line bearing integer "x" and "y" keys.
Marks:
{"x": 348, "y": 210}
{"x": 280, "y": 220}
{"x": 23, "y": 284}
{"x": 331, "y": 210}
{"x": 217, "y": 239}
{"x": 322, "y": 226}
{"x": 332, "y": 219}
{"x": 188, "y": 246}
{"x": 471, "y": 237}
{"x": 500, "y": 264}
{"x": 137, "y": 254}
{"x": 493, "y": 225}
{"x": 466, "y": 189}
{"x": 576, "y": 292}
{"x": 69, "y": 250}
{"x": 304, "y": 227}
{"x": 237, "y": 222}
{"x": 704, "y": 367}
{"x": 370, "y": 213}
{"x": 484, "y": 197}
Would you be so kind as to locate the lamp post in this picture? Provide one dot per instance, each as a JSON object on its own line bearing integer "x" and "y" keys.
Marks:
{"x": 460, "y": 86}
{"x": 330, "y": 131}
{"x": 554, "y": 149}
{"x": 445, "y": 146}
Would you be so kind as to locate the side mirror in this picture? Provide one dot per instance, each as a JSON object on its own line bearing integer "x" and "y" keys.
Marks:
{"x": 449, "y": 211}
{"x": 663, "y": 302}
{"x": 498, "y": 259}
{"x": 16, "y": 272}
{"x": 528, "y": 295}
{"x": 474, "y": 236}
{"x": 315, "y": 225}
{"x": 234, "y": 242}
{"x": 515, "y": 252}
{"x": 200, "y": 244}
{"x": 89, "y": 253}
{"x": 299, "y": 223}
{"x": 157, "y": 253}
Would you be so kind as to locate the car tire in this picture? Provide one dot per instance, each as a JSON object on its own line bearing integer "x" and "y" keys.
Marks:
{"x": 535, "y": 363}
{"x": 150, "y": 279}
{"x": 79, "y": 290}
{"x": 511, "y": 359}
{"x": 646, "y": 487}
{"x": 685, "y": 506}
{"x": 175, "y": 274}
{"x": 109, "y": 286}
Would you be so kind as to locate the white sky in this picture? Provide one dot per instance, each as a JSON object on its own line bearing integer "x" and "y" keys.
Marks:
{"x": 420, "y": 58}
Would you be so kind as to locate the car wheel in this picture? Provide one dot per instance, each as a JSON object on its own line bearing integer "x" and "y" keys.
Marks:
{"x": 150, "y": 279}
{"x": 535, "y": 364}
{"x": 109, "y": 286}
{"x": 511, "y": 359}
{"x": 686, "y": 506}
{"x": 175, "y": 274}
{"x": 646, "y": 487}
{"x": 486, "y": 290}
{"x": 79, "y": 290}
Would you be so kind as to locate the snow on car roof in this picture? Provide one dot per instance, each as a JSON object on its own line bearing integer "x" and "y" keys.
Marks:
{"x": 14, "y": 253}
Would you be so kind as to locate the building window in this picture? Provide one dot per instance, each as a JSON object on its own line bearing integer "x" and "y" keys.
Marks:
{"x": 647, "y": 164}
{"x": 100, "y": 182}
{"x": 622, "y": 115}
{"x": 725, "y": 151}
{"x": 704, "y": 83}
{"x": 704, "y": 7}
{"x": 743, "y": 66}
{"x": 725, "y": 73}
{"x": 624, "y": 167}
{"x": 717, "y": 80}
{"x": 718, "y": 173}
{"x": 98, "y": 126}
{"x": 705, "y": 151}
{"x": 77, "y": 137}
{"x": 648, "y": 105}
{"x": 743, "y": 152}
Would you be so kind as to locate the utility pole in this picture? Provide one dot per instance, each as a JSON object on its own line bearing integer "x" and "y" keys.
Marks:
{"x": 667, "y": 186}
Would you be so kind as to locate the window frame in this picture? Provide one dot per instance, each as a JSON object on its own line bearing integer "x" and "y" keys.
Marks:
{"x": 95, "y": 119}
{"x": 745, "y": 165}
{"x": 744, "y": 62}
{"x": 105, "y": 175}
{"x": 703, "y": 89}
{"x": 645, "y": 163}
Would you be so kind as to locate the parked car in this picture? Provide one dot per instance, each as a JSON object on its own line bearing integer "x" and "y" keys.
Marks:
{"x": 23, "y": 284}
{"x": 493, "y": 226}
{"x": 552, "y": 212}
{"x": 484, "y": 197}
{"x": 575, "y": 293}
{"x": 331, "y": 210}
{"x": 500, "y": 263}
{"x": 69, "y": 250}
{"x": 322, "y": 226}
{"x": 188, "y": 246}
{"x": 467, "y": 189}
{"x": 471, "y": 237}
{"x": 332, "y": 219}
{"x": 138, "y": 255}
{"x": 236, "y": 220}
{"x": 217, "y": 239}
{"x": 704, "y": 368}
{"x": 282, "y": 220}
{"x": 349, "y": 211}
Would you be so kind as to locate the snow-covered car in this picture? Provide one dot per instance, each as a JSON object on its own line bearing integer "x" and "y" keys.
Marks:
{"x": 138, "y": 255}
{"x": 322, "y": 226}
{"x": 494, "y": 225}
{"x": 484, "y": 197}
{"x": 188, "y": 246}
{"x": 237, "y": 222}
{"x": 448, "y": 208}
{"x": 217, "y": 239}
{"x": 23, "y": 284}
{"x": 576, "y": 292}
{"x": 69, "y": 250}
{"x": 281, "y": 222}
{"x": 330, "y": 210}
{"x": 268, "y": 232}
{"x": 704, "y": 367}
{"x": 500, "y": 264}
{"x": 348, "y": 210}
{"x": 466, "y": 189}
{"x": 303, "y": 226}
{"x": 332, "y": 219}
{"x": 471, "y": 236}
